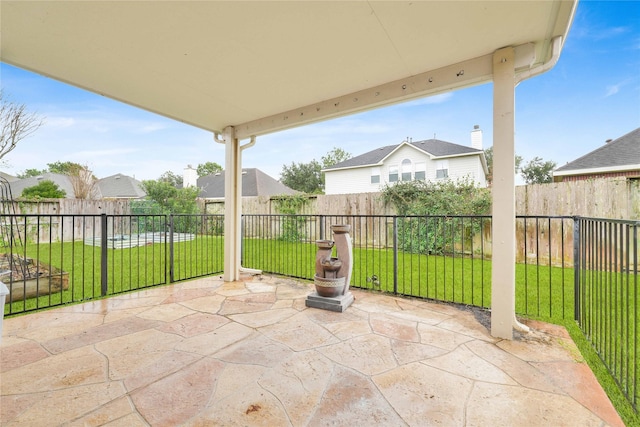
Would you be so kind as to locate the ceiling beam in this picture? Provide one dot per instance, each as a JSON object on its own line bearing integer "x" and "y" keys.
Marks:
{"x": 463, "y": 74}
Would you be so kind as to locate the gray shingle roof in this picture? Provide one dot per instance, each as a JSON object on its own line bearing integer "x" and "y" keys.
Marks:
{"x": 120, "y": 186}
{"x": 60, "y": 180}
{"x": 623, "y": 151}
{"x": 254, "y": 183}
{"x": 434, "y": 147}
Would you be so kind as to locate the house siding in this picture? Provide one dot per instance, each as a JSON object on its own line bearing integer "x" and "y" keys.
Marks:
{"x": 627, "y": 174}
{"x": 358, "y": 180}
{"x": 349, "y": 181}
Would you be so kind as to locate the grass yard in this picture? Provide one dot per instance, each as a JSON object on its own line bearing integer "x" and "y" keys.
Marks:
{"x": 127, "y": 269}
{"x": 541, "y": 291}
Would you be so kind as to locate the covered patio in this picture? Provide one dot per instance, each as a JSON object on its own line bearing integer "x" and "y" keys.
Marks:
{"x": 245, "y": 69}
{"x": 244, "y": 350}
{"x": 248, "y": 352}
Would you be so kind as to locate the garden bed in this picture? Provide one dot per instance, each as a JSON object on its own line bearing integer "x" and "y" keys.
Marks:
{"x": 30, "y": 278}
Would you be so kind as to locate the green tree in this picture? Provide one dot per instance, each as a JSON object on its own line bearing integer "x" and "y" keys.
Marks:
{"x": 171, "y": 178}
{"x": 65, "y": 168}
{"x": 538, "y": 171}
{"x": 305, "y": 177}
{"x": 333, "y": 157}
{"x": 488, "y": 155}
{"x": 44, "y": 190}
{"x": 172, "y": 200}
{"x": 28, "y": 173}
{"x": 208, "y": 168}
{"x": 308, "y": 177}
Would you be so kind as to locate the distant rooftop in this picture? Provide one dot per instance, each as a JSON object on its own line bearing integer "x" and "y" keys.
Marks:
{"x": 254, "y": 183}
{"x": 619, "y": 153}
{"x": 434, "y": 147}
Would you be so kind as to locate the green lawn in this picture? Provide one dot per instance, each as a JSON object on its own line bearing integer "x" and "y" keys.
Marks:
{"x": 542, "y": 292}
{"x": 127, "y": 269}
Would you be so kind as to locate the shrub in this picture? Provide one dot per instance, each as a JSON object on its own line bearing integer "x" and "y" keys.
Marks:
{"x": 428, "y": 207}
{"x": 44, "y": 190}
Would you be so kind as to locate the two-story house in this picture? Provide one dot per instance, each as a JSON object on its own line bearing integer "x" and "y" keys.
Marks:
{"x": 431, "y": 160}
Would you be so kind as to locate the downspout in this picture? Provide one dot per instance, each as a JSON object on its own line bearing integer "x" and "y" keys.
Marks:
{"x": 556, "y": 48}
{"x": 251, "y": 143}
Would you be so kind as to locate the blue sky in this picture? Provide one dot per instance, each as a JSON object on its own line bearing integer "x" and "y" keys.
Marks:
{"x": 591, "y": 95}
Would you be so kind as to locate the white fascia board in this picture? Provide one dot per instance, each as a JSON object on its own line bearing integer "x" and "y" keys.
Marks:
{"x": 402, "y": 144}
{"x": 589, "y": 171}
{"x": 451, "y": 156}
{"x": 369, "y": 165}
{"x": 463, "y": 74}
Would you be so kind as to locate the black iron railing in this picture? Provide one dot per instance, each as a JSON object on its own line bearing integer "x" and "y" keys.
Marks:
{"x": 608, "y": 295}
{"x": 447, "y": 258}
{"x": 566, "y": 268}
{"x": 61, "y": 259}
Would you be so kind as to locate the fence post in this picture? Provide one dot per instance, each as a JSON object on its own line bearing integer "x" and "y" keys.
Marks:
{"x": 576, "y": 268}
{"x": 171, "y": 259}
{"x": 103, "y": 254}
{"x": 242, "y": 234}
{"x": 395, "y": 254}
{"x": 321, "y": 228}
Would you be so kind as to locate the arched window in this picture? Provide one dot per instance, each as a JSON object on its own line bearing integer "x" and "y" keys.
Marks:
{"x": 406, "y": 170}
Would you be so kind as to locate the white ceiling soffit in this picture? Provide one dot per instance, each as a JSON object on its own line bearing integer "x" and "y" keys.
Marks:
{"x": 264, "y": 66}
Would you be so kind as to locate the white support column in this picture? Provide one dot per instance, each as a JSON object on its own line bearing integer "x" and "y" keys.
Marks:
{"x": 504, "y": 210}
{"x": 232, "y": 205}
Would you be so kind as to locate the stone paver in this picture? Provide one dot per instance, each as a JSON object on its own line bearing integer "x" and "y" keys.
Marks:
{"x": 251, "y": 353}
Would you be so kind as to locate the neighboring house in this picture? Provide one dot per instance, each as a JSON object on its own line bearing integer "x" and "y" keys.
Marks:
{"x": 113, "y": 187}
{"x": 59, "y": 179}
{"x": 120, "y": 186}
{"x": 620, "y": 157}
{"x": 430, "y": 160}
{"x": 9, "y": 178}
{"x": 254, "y": 183}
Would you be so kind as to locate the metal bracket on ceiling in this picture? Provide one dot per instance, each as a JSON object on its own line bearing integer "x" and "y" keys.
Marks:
{"x": 220, "y": 140}
{"x": 216, "y": 138}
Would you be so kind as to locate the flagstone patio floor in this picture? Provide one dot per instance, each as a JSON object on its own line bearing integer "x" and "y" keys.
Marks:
{"x": 249, "y": 353}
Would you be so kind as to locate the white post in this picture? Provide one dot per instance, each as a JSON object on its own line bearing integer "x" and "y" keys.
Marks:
{"x": 503, "y": 298}
{"x": 232, "y": 205}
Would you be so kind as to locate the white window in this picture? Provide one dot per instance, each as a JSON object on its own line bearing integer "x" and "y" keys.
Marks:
{"x": 406, "y": 170}
{"x": 442, "y": 169}
{"x": 393, "y": 173}
{"x": 420, "y": 172}
{"x": 375, "y": 175}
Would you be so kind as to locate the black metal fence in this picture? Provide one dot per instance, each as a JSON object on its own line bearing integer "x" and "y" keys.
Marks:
{"x": 447, "y": 258}
{"x": 607, "y": 296}
{"x": 566, "y": 268}
{"x": 51, "y": 260}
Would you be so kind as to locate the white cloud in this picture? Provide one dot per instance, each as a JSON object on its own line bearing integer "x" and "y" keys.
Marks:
{"x": 612, "y": 90}
{"x": 60, "y": 122}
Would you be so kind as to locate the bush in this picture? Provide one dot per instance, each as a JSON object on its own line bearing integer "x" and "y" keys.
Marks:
{"x": 44, "y": 190}
{"x": 428, "y": 207}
